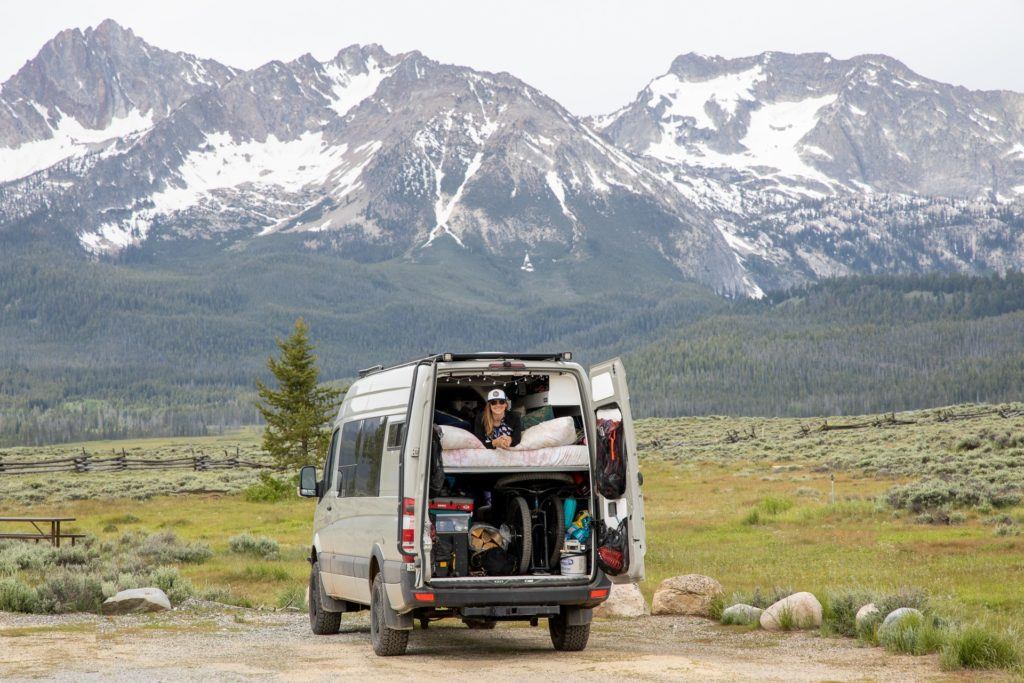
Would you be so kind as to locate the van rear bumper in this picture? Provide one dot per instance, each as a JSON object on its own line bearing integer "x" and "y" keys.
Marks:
{"x": 587, "y": 595}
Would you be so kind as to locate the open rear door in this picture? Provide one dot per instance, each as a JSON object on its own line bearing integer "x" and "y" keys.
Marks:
{"x": 610, "y": 397}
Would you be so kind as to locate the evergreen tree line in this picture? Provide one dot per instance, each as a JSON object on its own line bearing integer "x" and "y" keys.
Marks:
{"x": 103, "y": 350}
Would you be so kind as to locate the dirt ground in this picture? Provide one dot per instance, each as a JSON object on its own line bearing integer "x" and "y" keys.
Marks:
{"x": 203, "y": 643}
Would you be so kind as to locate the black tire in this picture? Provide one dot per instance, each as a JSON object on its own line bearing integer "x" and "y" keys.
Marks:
{"x": 387, "y": 642}
{"x": 555, "y": 516}
{"x": 567, "y": 638}
{"x": 479, "y": 624}
{"x": 553, "y": 477}
{"x": 323, "y": 623}
{"x": 519, "y": 519}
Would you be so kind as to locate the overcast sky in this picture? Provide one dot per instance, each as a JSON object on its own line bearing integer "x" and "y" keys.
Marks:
{"x": 592, "y": 56}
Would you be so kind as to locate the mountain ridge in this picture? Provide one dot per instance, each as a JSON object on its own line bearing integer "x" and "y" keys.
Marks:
{"x": 743, "y": 174}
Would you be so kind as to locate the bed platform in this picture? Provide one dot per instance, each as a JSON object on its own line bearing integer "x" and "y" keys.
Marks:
{"x": 560, "y": 458}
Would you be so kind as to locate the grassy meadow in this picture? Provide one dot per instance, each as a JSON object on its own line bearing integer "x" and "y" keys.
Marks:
{"x": 927, "y": 502}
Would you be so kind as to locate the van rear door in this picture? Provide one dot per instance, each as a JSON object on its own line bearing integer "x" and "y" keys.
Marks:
{"x": 610, "y": 397}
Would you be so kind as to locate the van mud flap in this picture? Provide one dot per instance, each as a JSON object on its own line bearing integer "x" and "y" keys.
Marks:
{"x": 511, "y": 611}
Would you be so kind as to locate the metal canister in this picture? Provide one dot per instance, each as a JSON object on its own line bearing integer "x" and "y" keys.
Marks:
{"x": 574, "y": 559}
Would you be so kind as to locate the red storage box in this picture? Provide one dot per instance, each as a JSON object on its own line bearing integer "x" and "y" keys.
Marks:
{"x": 453, "y": 504}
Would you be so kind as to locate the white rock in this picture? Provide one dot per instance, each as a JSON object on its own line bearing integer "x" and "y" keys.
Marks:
{"x": 865, "y": 612}
{"x": 803, "y": 608}
{"x": 900, "y": 614}
{"x": 690, "y": 594}
{"x": 741, "y": 614}
{"x": 137, "y": 600}
{"x": 624, "y": 602}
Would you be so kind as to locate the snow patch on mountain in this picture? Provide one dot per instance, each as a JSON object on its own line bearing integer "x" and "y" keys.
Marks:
{"x": 772, "y": 143}
{"x": 557, "y": 189}
{"x": 350, "y": 89}
{"x": 69, "y": 138}
{"x": 223, "y": 163}
{"x": 690, "y": 98}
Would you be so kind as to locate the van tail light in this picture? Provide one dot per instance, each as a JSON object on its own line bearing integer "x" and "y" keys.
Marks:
{"x": 409, "y": 527}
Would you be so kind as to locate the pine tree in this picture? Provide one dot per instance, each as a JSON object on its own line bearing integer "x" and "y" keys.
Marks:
{"x": 298, "y": 411}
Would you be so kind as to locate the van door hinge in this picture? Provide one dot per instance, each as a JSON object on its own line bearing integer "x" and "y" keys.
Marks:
{"x": 415, "y": 452}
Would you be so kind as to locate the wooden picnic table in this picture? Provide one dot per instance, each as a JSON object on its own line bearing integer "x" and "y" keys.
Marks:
{"x": 54, "y": 536}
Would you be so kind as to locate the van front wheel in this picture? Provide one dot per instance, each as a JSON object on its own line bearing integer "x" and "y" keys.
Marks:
{"x": 387, "y": 642}
{"x": 323, "y": 623}
{"x": 568, "y": 638}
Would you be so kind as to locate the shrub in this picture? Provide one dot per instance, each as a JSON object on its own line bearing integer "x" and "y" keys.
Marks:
{"x": 714, "y": 609}
{"x": 74, "y": 555}
{"x": 269, "y": 489}
{"x": 15, "y": 596}
{"x": 7, "y": 567}
{"x": 761, "y": 599}
{"x": 931, "y": 494}
{"x": 773, "y": 505}
{"x": 170, "y": 581}
{"x": 968, "y": 444}
{"x": 839, "y": 612}
{"x": 978, "y": 648}
{"x": 165, "y": 548}
{"x": 27, "y": 556}
{"x": 247, "y": 544}
{"x": 787, "y": 622}
{"x": 752, "y": 518}
{"x": 913, "y": 635}
{"x": 64, "y": 590}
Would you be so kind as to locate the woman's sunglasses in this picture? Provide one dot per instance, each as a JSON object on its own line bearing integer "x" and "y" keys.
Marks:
{"x": 499, "y": 401}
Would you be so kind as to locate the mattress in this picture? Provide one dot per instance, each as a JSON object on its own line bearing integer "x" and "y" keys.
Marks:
{"x": 554, "y": 457}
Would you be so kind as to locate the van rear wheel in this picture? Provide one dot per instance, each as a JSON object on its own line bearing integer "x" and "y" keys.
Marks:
{"x": 568, "y": 638}
{"x": 521, "y": 545}
{"x": 387, "y": 642}
{"x": 323, "y": 623}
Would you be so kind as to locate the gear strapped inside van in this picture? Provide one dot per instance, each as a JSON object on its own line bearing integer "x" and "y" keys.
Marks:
{"x": 485, "y": 487}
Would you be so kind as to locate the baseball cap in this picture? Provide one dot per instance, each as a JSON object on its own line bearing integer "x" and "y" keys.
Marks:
{"x": 496, "y": 395}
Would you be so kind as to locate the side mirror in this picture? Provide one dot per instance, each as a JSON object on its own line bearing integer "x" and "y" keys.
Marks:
{"x": 308, "y": 485}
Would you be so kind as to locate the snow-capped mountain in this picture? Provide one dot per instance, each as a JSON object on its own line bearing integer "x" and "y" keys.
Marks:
{"x": 811, "y": 125}
{"x": 815, "y": 166}
{"x": 86, "y": 91}
{"x": 372, "y": 154}
{"x": 741, "y": 174}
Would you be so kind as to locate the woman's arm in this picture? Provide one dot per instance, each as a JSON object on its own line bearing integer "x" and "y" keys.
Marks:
{"x": 517, "y": 428}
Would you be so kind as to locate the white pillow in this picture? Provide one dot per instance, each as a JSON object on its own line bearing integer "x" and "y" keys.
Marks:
{"x": 453, "y": 438}
{"x": 558, "y": 432}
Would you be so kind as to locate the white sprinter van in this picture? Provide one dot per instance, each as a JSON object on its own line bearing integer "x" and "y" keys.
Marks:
{"x": 415, "y": 521}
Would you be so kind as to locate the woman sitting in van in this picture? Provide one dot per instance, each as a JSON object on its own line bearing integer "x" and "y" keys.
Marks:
{"x": 495, "y": 425}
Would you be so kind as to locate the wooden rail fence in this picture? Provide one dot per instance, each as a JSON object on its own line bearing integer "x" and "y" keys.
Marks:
{"x": 86, "y": 462}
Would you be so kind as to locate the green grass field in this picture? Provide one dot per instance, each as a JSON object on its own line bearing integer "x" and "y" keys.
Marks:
{"x": 747, "y": 501}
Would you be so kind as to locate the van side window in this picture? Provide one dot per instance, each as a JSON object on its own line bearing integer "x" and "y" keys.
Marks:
{"x": 371, "y": 451}
{"x": 332, "y": 456}
{"x": 347, "y": 458}
{"x": 396, "y": 435}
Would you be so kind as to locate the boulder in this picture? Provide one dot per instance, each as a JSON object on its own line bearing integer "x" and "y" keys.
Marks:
{"x": 898, "y": 615}
{"x": 803, "y": 609}
{"x": 690, "y": 594}
{"x": 865, "y": 612}
{"x": 624, "y": 602}
{"x": 741, "y": 614}
{"x": 137, "y": 600}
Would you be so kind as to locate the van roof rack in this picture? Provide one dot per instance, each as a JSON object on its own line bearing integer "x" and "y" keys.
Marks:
{"x": 500, "y": 355}
{"x": 480, "y": 355}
